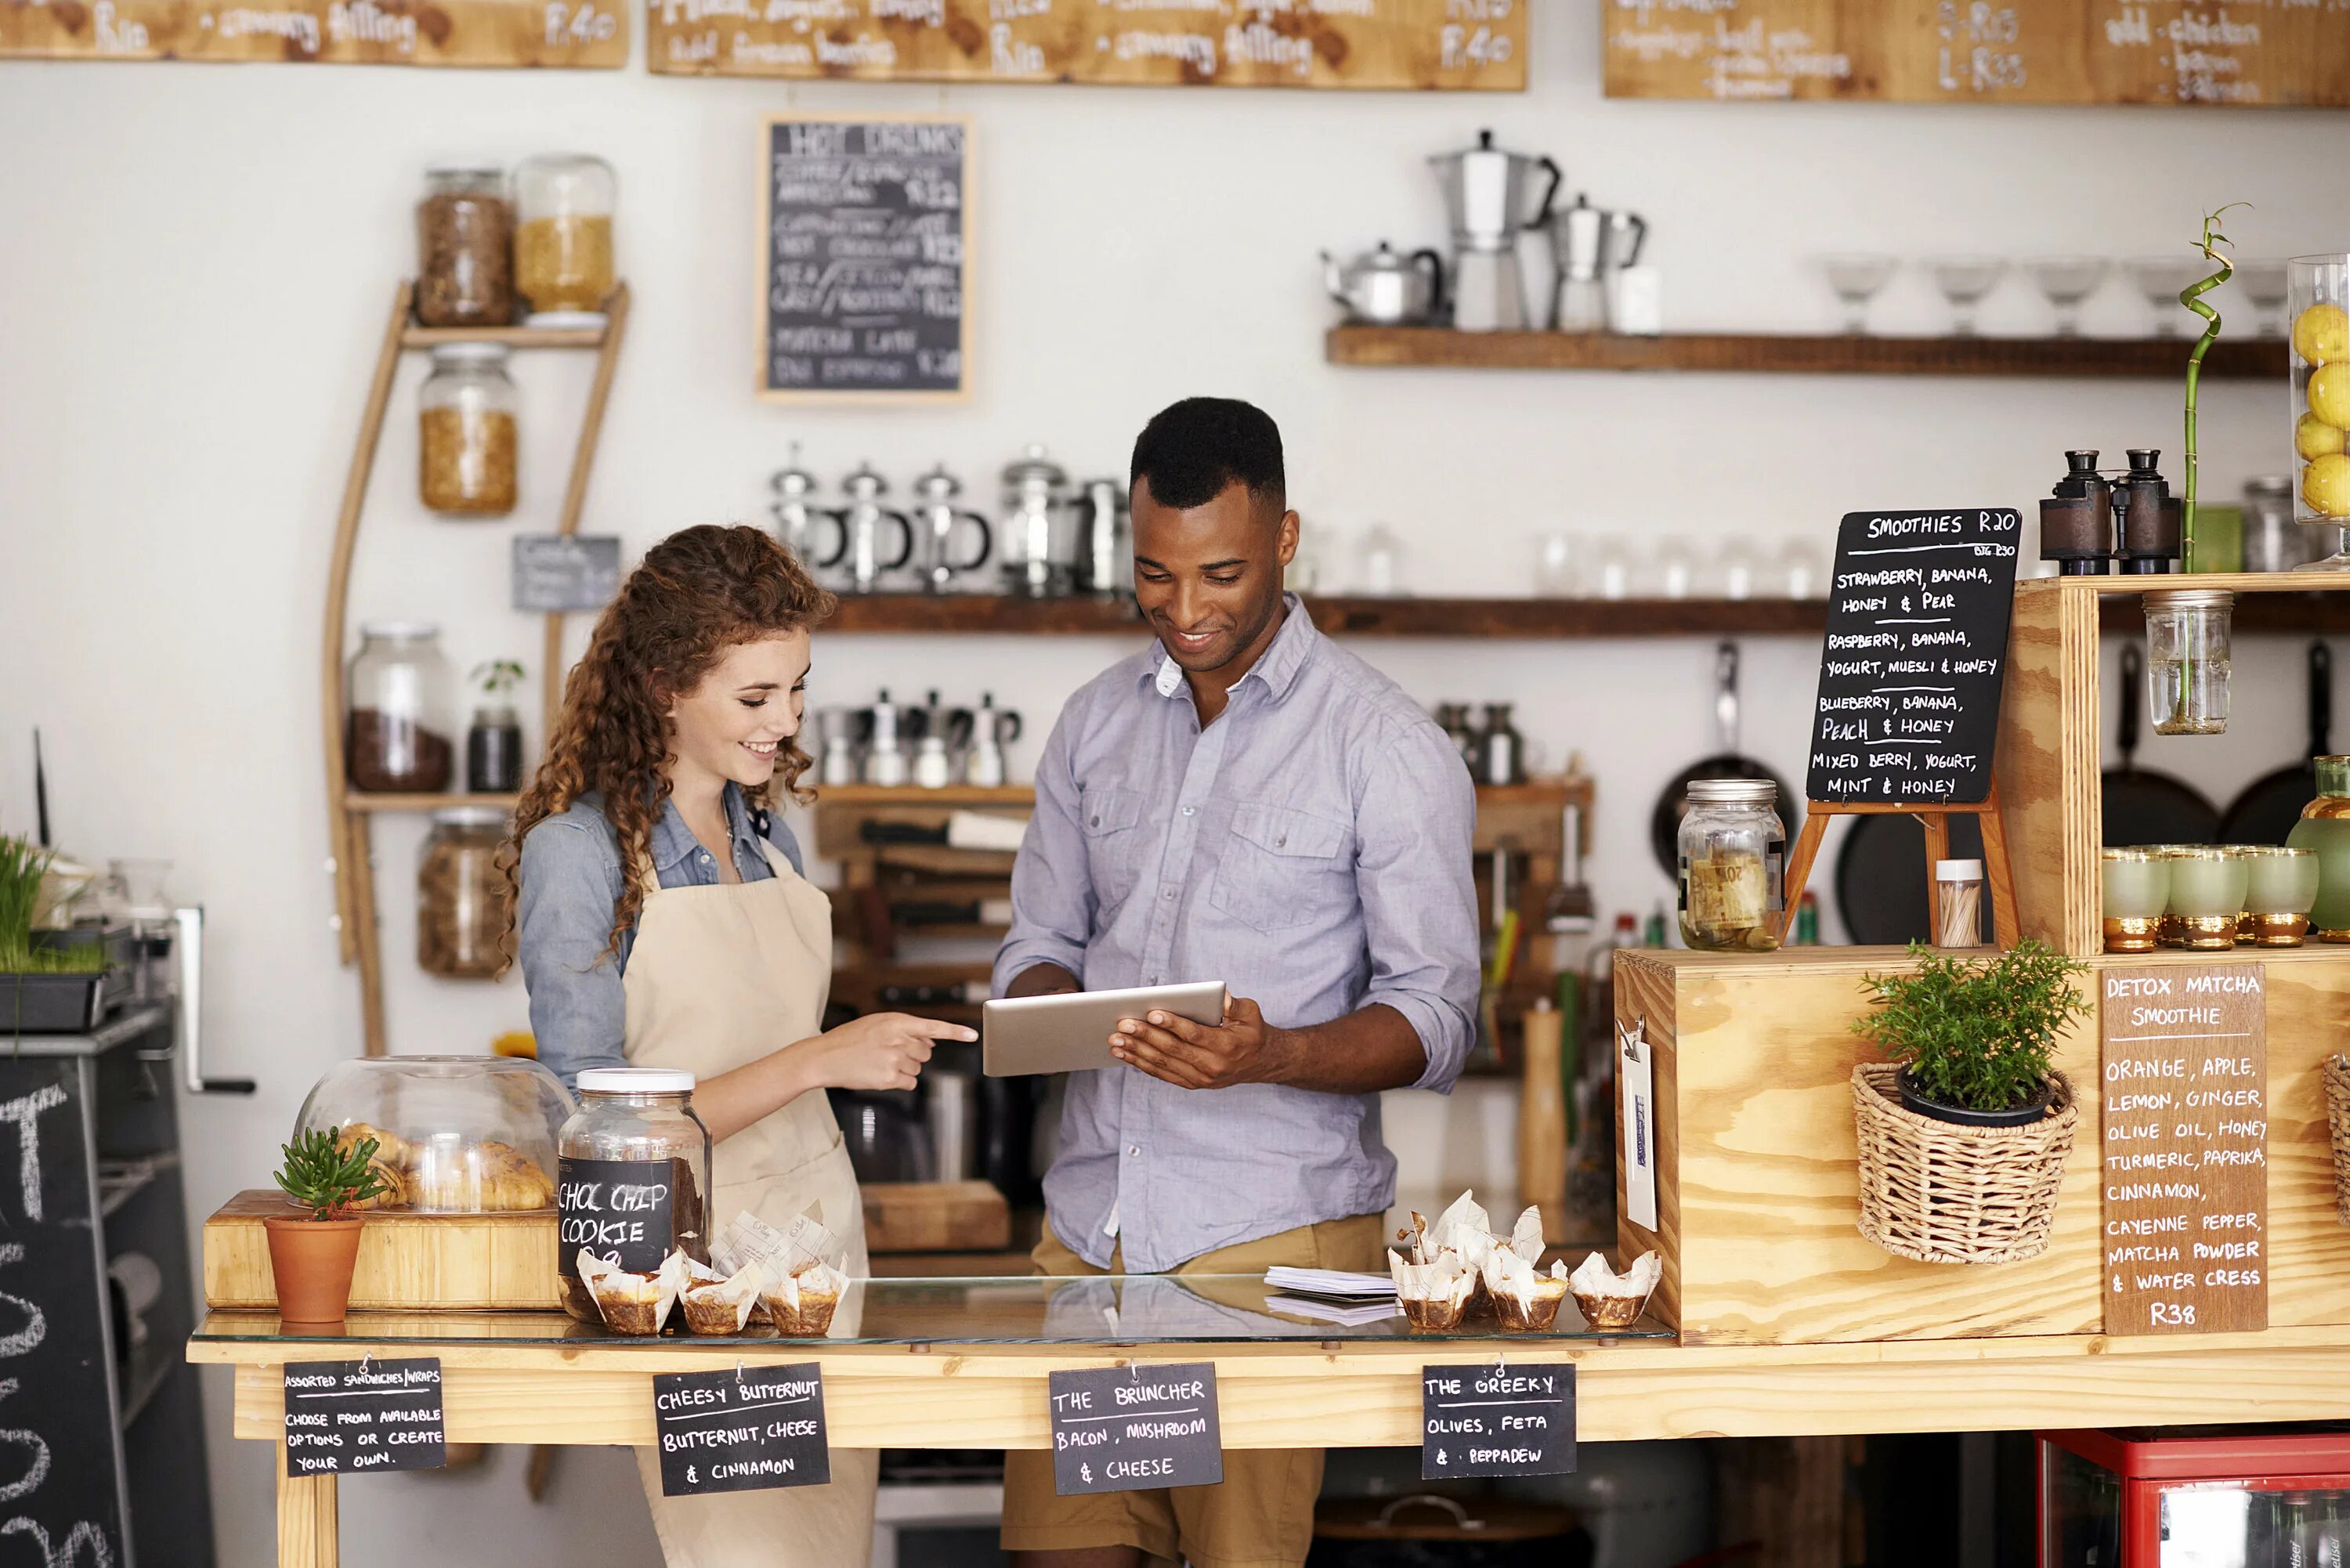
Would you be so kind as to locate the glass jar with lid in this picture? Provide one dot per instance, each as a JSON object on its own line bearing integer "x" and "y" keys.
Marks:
{"x": 2189, "y": 659}
{"x": 398, "y": 711}
{"x": 460, "y": 895}
{"x": 454, "y": 1135}
{"x": 563, "y": 246}
{"x": 465, "y": 247}
{"x": 633, "y": 1177}
{"x": 467, "y": 435}
{"x": 1732, "y": 849}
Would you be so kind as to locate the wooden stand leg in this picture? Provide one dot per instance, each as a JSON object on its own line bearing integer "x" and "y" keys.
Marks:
{"x": 306, "y": 1520}
{"x": 2006, "y": 925}
{"x": 1937, "y": 849}
{"x": 1799, "y": 869}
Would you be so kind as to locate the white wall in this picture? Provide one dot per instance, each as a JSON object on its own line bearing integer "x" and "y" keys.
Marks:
{"x": 197, "y": 261}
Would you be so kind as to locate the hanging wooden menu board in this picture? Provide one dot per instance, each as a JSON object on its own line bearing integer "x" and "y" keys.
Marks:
{"x": 2184, "y": 1106}
{"x": 1446, "y": 44}
{"x": 546, "y": 33}
{"x": 2254, "y": 52}
{"x": 864, "y": 258}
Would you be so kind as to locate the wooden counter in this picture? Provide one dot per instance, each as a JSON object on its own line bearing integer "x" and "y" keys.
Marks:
{"x": 1289, "y": 1395}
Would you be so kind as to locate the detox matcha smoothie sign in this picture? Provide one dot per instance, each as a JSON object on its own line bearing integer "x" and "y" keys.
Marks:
{"x": 2184, "y": 1104}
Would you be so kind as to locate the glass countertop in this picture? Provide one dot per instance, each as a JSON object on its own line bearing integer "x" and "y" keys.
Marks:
{"x": 1087, "y": 1310}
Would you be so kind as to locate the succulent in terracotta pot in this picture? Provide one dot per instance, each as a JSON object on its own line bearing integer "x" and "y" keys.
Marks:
{"x": 311, "y": 1253}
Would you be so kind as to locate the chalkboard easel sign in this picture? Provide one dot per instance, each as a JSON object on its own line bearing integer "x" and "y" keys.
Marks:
{"x": 1910, "y": 682}
{"x": 864, "y": 258}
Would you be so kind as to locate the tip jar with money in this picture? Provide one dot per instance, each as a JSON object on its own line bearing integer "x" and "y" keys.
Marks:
{"x": 1732, "y": 854}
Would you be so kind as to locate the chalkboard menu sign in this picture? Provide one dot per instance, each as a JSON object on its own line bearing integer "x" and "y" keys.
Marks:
{"x": 1498, "y": 1420}
{"x": 57, "y": 1399}
{"x": 622, "y": 1211}
{"x": 740, "y": 1430}
{"x": 2048, "y": 51}
{"x": 562, "y": 574}
{"x": 1433, "y": 44}
{"x": 1136, "y": 1428}
{"x": 346, "y": 1418}
{"x": 864, "y": 259}
{"x": 1909, "y": 675}
{"x": 2185, "y": 1148}
{"x": 332, "y": 32}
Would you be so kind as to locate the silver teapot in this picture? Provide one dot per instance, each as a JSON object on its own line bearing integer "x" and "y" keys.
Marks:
{"x": 1384, "y": 288}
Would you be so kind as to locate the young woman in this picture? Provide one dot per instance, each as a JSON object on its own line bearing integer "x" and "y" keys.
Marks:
{"x": 664, "y": 923}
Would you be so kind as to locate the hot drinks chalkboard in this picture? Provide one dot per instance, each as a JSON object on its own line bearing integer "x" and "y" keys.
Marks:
{"x": 864, "y": 258}
{"x": 1909, "y": 676}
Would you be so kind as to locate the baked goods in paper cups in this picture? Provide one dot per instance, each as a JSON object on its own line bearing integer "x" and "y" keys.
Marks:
{"x": 1434, "y": 1296}
{"x": 1610, "y": 1300}
{"x": 802, "y": 1304}
{"x": 715, "y": 1304}
{"x": 631, "y": 1302}
{"x": 1525, "y": 1300}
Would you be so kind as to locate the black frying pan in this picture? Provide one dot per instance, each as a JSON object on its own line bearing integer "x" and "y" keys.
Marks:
{"x": 1727, "y": 762}
{"x": 2143, "y": 807}
{"x": 2271, "y": 804}
{"x": 1881, "y": 873}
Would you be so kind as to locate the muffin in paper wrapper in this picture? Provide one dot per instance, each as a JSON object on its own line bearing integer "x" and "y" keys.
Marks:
{"x": 633, "y": 1304}
{"x": 1434, "y": 1296}
{"x": 716, "y": 1305}
{"x": 1610, "y": 1300}
{"x": 748, "y": 1240}
{"x": 1525, "y": 1300}
{"x": 802, "y": 1304}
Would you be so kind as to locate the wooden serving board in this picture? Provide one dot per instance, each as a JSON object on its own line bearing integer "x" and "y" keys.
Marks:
{"x": 414, "y": 1263}
{"x": 935, "y": 1217}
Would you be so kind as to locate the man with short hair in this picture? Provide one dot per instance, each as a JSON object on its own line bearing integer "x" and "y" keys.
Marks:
{"x": 1242, "y": 802}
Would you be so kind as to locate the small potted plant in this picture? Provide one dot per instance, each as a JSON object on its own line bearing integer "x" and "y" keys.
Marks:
{"x": 44, "y": 988}
{"x": 311, "y": 1254}
{"x": 1964, "y": 1128}
{"x": 493, "y": 743}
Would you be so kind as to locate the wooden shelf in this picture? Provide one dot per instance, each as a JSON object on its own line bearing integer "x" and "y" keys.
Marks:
{"x": 355, "y": 801}
{"x": 2238, "y": 359}
{"x": 2289, "y": 610}
{"x": 511, "y": 336}
{"x": 1348, "y": 616}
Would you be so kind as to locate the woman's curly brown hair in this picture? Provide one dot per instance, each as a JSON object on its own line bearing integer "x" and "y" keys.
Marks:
{"x": 695, "y": 594}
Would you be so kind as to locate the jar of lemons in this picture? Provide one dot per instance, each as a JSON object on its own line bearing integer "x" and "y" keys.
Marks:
{"x": 2318, "y": 296}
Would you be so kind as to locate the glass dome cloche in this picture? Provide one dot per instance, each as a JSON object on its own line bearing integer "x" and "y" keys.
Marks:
{"x": 455, "y": 1135}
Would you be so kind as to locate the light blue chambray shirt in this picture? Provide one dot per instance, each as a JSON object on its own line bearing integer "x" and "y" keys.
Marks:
{"x": 571, "y": 881}
{"x": 1311, "y": 849}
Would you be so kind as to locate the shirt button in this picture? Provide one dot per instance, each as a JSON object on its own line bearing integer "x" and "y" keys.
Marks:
{"x": 1282, "y": 842}
{"x": 1191, "y": 810}
{"x": 1093, "y": 821}
{"x": 1134, "y": 1151}
{"x": 1170, "y": 892}
{"x": 705, "y": 857}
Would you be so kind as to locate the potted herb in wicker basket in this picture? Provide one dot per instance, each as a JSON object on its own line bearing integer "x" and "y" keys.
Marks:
{"x": 1964, "y": 1129}
{"x": 311, "y": 1254}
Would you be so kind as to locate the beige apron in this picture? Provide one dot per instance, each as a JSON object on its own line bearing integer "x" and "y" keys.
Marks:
{"x": 719, "y": 977}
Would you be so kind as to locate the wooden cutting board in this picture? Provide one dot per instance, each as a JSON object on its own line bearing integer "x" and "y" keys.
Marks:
{"x": 934, "y": 1217}
{"x": 419, "y": 1263}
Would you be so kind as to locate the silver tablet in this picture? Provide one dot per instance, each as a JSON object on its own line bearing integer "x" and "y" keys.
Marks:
{"x": 1070, "y": 1033}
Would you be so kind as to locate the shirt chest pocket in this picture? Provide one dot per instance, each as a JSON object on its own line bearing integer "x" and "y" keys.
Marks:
{"x": 1283, "y": 868}
{"x": 1110, "y": 817}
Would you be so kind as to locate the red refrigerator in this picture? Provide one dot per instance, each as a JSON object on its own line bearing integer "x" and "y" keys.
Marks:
{"x": 2195, "y": 1497}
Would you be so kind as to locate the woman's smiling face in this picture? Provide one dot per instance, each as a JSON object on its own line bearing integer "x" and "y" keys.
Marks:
{"x": 731, "y": 726}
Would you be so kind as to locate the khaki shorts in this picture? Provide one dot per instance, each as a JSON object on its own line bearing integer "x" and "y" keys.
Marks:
{"x": 1262, "y": 1514}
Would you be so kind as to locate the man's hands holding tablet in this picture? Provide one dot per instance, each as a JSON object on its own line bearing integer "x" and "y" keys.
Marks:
{"x": 1242, "y": 1049}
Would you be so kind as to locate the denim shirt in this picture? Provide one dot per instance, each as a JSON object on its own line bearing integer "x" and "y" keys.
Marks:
{"x": 571, "y": 881}
{"x": 1310, "y": 848}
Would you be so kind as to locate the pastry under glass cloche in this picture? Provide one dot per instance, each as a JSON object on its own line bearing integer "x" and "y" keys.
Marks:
{"x": 454, "y": 1135}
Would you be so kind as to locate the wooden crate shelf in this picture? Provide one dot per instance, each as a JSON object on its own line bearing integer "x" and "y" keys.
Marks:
{"x": 1439, "y": 347}
{"x": 2050, "y": 757}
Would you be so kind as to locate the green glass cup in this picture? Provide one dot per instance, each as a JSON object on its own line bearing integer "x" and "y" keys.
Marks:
{"x": 2136, "y": 892}
{"x": 2279, "y": 889}
{"x": 2207, "y": 895}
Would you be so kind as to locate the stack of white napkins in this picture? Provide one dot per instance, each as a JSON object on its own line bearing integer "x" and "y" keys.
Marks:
{"x": 1333, "y": 1311}
{"x": 1331, "y": 1285}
